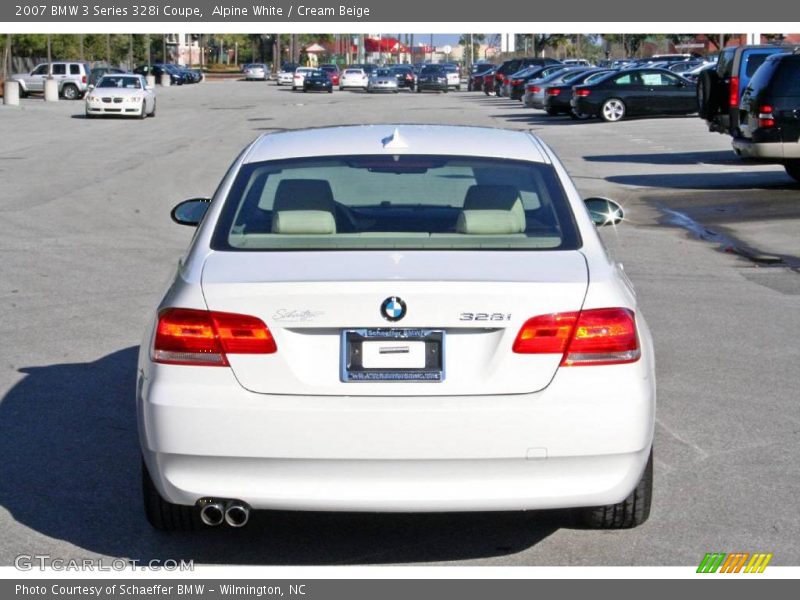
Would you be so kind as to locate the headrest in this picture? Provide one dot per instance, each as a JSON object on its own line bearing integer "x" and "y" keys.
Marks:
{"x": 303, "y": 194}
{"x": 496, "y": 197}
{"x": 308, "y": 222}
{"x": 488, "y": 222}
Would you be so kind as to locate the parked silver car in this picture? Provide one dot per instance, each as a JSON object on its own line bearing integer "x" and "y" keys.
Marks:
{"x": 72, "y": 78}
{"x": 382, "y": 80}
{"x": 255, "y": 71}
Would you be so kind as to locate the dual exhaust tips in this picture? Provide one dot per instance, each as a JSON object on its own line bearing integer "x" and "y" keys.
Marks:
{"x": 233, "y": 512}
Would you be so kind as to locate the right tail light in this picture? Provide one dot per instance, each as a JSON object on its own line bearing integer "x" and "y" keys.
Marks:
{"x": 599, "y": 336}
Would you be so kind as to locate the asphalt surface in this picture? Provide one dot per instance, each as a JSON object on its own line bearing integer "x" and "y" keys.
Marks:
{"x": 87, "y": 248}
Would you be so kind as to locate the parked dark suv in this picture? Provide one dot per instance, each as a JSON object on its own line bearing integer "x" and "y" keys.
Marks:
{"x": 769, "y": 114}
{"x": 719, "y": 90}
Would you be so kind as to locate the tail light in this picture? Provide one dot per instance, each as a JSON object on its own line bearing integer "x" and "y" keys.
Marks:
{"x": 83, "y": 79}
{"x": 553, "y": 91}
{"x": 765, "y": 117}
{"x": 582, "y": 93}
{"x": 199, "y": 337}
{"x": 733, "y": 92}
{"x": 601, "y": 336}
{"x": 535, "y": 89}
{"x": 516, "y": 81}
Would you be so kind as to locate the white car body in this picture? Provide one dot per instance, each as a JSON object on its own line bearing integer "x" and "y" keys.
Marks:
{"x": 300, "y": 76}
{"x": 453, "y": 79}
{"x": 132, "y": 97}
{"x": 257, "y": 72}
{"x": 353, "y": 78}
{"x": 499, "y": 431}
{"x": 285, "y": 78}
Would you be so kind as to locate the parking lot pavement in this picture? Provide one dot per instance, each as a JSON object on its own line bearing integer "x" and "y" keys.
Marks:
{"x": 87, "y": 247}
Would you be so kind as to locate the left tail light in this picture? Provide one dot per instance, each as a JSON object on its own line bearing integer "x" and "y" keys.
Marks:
{"x": 187, "y": 336}
{"x": 601, "y": 336}
{"x": 553, "y": 91}
{"x": 733, "y": 92}
{"x": 83, "y": 79}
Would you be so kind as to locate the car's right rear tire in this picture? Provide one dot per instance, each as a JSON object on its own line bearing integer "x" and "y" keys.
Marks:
{"x": 793, "y": 170}
{"x": 164, "y": 515}
{"x": 631, "y": 512}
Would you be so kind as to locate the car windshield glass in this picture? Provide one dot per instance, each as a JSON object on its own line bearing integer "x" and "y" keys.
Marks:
{"x": 401, "y": 201}
{"x": 354, "y": 72}
{"x": 383, "y": 73}
{"x": 432, "y": 70}
{"x": 109, "y": 81}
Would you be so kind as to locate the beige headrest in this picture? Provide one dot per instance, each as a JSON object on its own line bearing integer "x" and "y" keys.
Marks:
{"x": 309, "y": 222}
{"x": 489, "y": 222}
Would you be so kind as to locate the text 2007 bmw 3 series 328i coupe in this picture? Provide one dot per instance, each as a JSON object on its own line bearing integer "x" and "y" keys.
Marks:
{"x": 396, "y": 318}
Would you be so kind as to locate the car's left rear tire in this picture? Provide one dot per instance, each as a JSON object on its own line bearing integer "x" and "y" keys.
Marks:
{"x": 164, "y": 515}
{"x": 631, "y": 512}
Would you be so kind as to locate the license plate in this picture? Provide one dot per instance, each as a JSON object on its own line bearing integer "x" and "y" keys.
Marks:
{"x": 392, "y": 355}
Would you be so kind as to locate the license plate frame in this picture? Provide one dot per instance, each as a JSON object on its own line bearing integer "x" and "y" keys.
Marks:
{"x": 353, "y": 371}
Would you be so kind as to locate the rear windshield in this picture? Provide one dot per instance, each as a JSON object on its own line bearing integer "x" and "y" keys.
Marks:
{"x": 402, "y": 201}
{"x": 787, "y": 79}
{"x": 754, "y": 60}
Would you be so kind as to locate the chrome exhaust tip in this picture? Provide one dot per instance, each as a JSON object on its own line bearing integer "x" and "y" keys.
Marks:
{"x": 212, "y": 514}
{"x": 237, "y": 514}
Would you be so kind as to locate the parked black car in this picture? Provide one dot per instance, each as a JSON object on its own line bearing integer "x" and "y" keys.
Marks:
{"x": 631, "y": 92}
{"x": 509, "y": 67}
{"x": 317, "y": 81}
{"x": 557, "y": 97}
{"x": 432, "y": 77}
{"x": 405, "y": 76}
{"x": 158, "y": 69}
{"x": 769, "y": 114}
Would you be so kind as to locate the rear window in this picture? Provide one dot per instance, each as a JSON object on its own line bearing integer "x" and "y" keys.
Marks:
{"x": 404, "y": 201}
{"x": 752, "y": 61}
{"x": 787, "y": 79}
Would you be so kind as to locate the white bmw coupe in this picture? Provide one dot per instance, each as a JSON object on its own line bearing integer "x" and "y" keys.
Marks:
{"x": 402, "y": 318}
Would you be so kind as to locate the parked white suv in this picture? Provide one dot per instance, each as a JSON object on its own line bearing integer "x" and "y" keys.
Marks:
{"x": 72, "y": 78}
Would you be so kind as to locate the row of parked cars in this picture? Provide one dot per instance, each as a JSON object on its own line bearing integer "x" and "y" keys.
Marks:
{"x": 367, "y": 77}
{"x": 76, "y": 78}
{"x": 583, "y": 91}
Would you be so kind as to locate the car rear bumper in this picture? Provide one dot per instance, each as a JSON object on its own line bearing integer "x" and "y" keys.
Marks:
{"x": 766, "y": 151}
{"x": 582, "y": 441}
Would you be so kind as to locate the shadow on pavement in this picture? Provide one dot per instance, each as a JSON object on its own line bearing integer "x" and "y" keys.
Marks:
{"x": 713, "y": 157}
{"x": 766, "y": 180}
{"x": 71, "y": 472}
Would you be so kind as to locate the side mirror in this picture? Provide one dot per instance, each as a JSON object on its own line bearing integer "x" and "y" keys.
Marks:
{"x": 603, "y": 211}
{"x": 190, "y": 212}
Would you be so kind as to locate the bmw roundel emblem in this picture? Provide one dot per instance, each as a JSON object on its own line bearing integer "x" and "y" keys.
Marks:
{"x": 393, "y": 309}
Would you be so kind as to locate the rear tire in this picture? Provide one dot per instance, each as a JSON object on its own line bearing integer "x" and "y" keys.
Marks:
{"x": 708, "y": 101}
{"x": 153, "y": 114}
{"x": 164, "y": 515}
{"x": 631, "y": 512}
{"x": 70, "y": 92}
{"x": 793, "y": 170}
